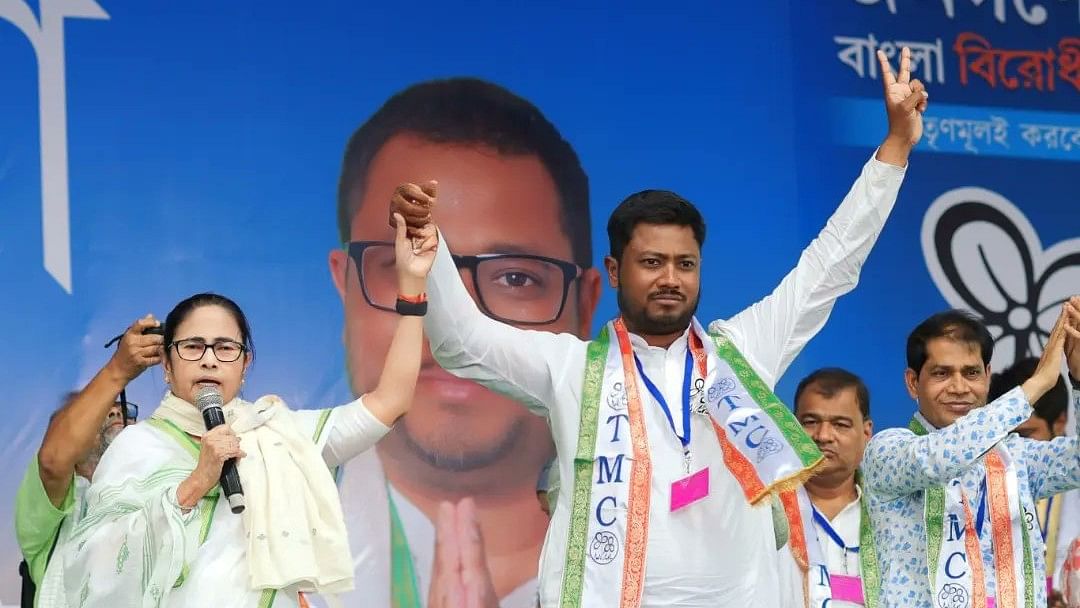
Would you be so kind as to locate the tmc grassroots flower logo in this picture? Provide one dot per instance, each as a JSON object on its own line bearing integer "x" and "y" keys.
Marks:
{"x": 952, "y": 596}
{"x": 984, "y": 256}
{"x": 768, "y": 447}
{"x": 604, "y": 547}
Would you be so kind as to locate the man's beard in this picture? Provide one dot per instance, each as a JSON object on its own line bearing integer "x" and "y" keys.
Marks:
{"x": 108, "y": 435}
{"x": 105, "y": 438}
{"x": 447, "y": 455}
{"x": 639, "y": 321}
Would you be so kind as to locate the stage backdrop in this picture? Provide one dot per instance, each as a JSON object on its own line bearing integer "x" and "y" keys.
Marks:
{"x": 148, "y": 152}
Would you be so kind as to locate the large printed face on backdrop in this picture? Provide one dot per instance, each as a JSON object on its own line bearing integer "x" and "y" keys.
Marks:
{"x": 211, "y": 325}
{"x": 487, "y": 203}
{"x": 658, "y": 278}
{"x": 953, "y": 381}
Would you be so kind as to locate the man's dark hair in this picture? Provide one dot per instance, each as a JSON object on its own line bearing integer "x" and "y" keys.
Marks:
{"x": 473, "y": 112}
{"x": 829, "y": 381}
{"x": 957, "y": 325}
{"x": 1049, "y": 407}
{"x": 651, "y": 207}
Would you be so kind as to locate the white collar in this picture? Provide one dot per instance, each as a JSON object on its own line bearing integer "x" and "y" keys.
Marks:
{"x": 854, "y": 503}
{"x": 637, "y": 341}
{"x": 923, "y": 421}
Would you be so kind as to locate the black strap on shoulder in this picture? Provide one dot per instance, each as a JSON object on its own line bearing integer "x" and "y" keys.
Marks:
{"x": 29, "y": 589}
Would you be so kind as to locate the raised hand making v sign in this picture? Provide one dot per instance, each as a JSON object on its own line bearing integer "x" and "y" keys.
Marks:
{"x": 905, "y": 101}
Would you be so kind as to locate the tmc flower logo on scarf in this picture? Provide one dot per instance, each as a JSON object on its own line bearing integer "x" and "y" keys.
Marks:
{"x": 984, "y": 256}
{"x": 604, "y": 548}
{"x": 953, "y": 596}
{"x": 768, "y": 447}
{"x": 617, "y": 399}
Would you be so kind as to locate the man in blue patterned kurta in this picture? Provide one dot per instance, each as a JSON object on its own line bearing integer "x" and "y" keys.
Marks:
{"x": 945, "y": 454}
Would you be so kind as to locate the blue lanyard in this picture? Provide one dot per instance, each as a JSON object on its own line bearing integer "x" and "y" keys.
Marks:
{"x": 688, "y": 371}
{"x": 825, "y": 525}
{"x": 1044, "y": 526}
{"x": 981, "y": 517}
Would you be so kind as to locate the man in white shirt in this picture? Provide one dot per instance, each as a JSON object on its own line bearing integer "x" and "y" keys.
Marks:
{"x": 661, "y": 487}
{"x": 833, "y": 406}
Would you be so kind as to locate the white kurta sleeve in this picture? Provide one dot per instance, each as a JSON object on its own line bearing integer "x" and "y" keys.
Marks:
{"x": 353, "y": 429}
{"x": 772, "y": 332}
{"x": 525, "y": 365}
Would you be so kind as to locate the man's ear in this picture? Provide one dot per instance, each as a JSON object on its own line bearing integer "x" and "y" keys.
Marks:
{"x": 612, "y": 267}
{"x": 911, "y": 381}
{"x": 338, "y": 263}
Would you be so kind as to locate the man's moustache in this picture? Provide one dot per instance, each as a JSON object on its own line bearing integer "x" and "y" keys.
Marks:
{"x": 659, "y": 294}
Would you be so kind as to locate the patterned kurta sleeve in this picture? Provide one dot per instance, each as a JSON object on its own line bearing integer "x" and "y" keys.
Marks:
{"x": 898, "y": 463}
{"x": 1054, "y": 466}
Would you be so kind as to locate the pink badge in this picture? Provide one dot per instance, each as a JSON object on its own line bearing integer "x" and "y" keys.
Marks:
{"x": 991, "y": 602}
{"x": 846, "y": 588}
{"x": 690, "y": 489}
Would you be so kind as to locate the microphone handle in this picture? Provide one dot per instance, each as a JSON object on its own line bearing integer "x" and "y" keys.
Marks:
{"x": 230, "y": 479}
{"x": 213, "y": 417}
{"x": 230, "y": 486}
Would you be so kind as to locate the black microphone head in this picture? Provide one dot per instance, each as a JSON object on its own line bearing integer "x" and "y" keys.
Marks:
{"x": 207, "y": 397}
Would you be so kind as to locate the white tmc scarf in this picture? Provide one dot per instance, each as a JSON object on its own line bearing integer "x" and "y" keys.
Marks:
{"x": 295, "y": 528}
{"x": 954, "y": 553}
{"x": 764, "y": 448}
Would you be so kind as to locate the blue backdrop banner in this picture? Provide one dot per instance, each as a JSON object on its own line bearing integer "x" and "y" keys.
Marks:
{"x": 150, "y": 151}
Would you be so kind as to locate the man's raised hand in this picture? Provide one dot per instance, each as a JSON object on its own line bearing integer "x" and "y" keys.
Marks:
{"x": 905, "y": 99}
{"x": 414, "y": 202}
{"x": 138, "y": 351}
{"x": 1072, "y": 336}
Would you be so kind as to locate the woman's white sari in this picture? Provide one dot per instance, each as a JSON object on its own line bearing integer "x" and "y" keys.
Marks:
{"x": 136, "y": 546}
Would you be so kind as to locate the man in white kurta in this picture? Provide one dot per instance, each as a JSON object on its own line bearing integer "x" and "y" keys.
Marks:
{"x": 839, "y": 541}
{"x": 833, "y": 406}
{"x": 720, "y": 550}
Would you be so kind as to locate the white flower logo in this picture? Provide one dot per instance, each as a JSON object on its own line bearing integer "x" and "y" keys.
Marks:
{"x": 953, "y": 596}
{"x": 984, "y": 256}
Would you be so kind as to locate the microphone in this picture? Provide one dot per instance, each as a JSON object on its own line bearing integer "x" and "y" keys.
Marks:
{"x": 208, "y": 400}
